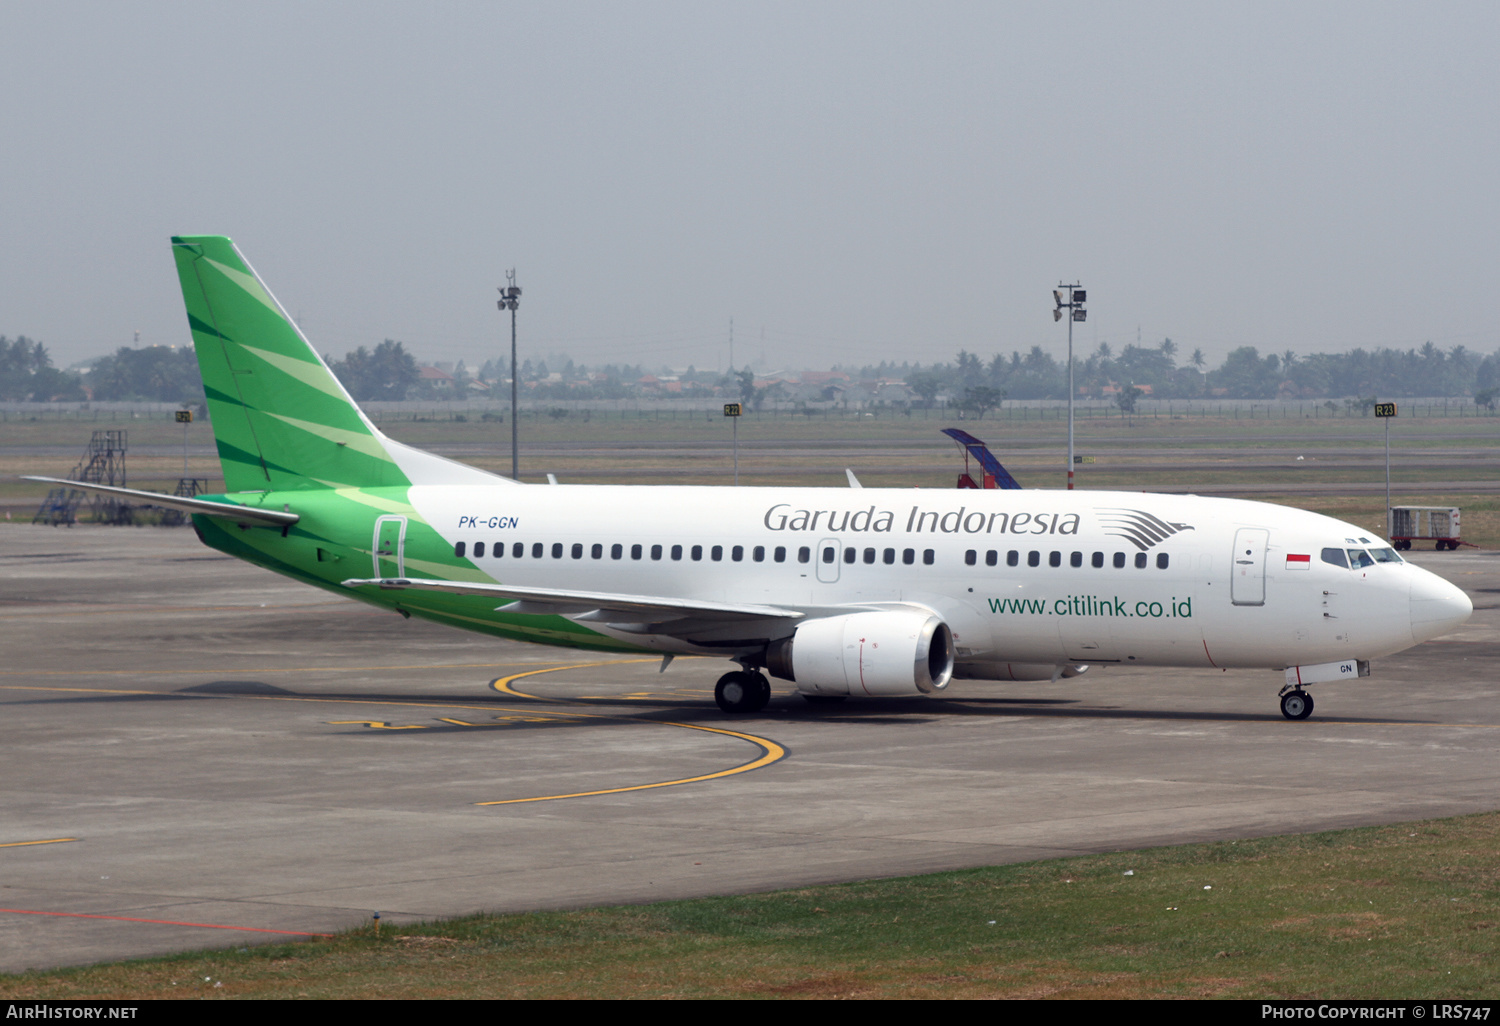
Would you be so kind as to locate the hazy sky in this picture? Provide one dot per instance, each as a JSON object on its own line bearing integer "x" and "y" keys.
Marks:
{"x": 849, "y": 181}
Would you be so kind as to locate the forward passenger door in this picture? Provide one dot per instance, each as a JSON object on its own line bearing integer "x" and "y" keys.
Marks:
{"x": 1247, "y": 582}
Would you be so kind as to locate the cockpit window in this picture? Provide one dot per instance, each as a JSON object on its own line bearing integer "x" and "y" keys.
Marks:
{"x": 1386, "y": 556}
{"x": 1336, "y": 557}
{"x": 1359, "y": 559}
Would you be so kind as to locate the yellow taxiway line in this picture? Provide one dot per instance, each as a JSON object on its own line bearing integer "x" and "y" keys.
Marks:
{"x": 770, "y": 750}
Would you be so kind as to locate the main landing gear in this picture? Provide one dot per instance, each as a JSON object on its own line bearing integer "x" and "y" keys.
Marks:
{"x": 1296, "y": 704}
{"x": 742, "y": 691}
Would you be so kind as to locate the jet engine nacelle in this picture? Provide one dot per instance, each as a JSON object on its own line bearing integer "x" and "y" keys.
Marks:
{"x": 889, "y": 652}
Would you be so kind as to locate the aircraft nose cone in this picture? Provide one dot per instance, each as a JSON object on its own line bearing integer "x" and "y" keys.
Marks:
{"x": 1436, "y": 606}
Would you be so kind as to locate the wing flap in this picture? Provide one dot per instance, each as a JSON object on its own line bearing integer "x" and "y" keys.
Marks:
{"x": 599, "y": 606}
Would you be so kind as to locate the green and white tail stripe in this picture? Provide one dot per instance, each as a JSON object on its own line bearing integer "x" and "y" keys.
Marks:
{"x": 281, "y": 419}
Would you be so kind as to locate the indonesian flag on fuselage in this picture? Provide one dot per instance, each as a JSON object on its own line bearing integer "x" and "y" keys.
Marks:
{"x": 1298, "y": 561}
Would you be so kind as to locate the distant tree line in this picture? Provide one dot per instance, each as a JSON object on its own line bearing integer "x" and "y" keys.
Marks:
{"x": 1244, "y": 374}
{"x": 390, "y": 373}
{"x": 152, "y": 373}
{"x": 27, "y": 374}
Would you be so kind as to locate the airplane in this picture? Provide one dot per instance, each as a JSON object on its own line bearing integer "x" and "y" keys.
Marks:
{"x": 841, "y": 591}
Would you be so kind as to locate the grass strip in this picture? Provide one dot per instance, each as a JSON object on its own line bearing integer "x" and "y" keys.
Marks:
{"x": 1404, "y": 911}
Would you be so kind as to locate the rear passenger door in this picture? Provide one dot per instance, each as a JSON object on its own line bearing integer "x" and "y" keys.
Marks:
{"x": 390, "y": 539}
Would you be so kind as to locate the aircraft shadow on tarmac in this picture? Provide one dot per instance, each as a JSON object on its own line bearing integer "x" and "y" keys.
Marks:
{"x": 524, "y": 712}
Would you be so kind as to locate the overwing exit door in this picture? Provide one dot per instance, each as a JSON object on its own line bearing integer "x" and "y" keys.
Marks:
{"x": 828, "y": 560}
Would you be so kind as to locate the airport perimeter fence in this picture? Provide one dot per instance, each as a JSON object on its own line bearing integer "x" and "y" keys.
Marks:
{"x": 710, "y": 410}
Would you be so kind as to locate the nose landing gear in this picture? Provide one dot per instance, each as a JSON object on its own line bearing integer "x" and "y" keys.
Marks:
{"x": 742, "y": 691}
{"x": 1296, "y": 704}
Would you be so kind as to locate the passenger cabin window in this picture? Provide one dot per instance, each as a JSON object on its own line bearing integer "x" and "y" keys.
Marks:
{"x": 1161, "y": 561}
{"x": 780, "y": 554}
{"x": 518, "y": 550}
{"x": 1098, "y": 560}
{"x": 908, "y": 556}
{"x": 829, "y": 554}
{"x": 991, "y": 558}
{"x": 478, "y": 549}
{"x": 676, "y": 551}
{"x": 1076, "y": 559}
{"x": 716, "y": 553}
{"x": 849, "y": 555}
{"x": 971, "y": 557}
{"x": 656, "y": 552}
{"x": 597, "y": 552}
{"x": 1012, "y": 558}
{"x": 869, "y": 555}
{"x": 458, "y": 549}
{"x": 889, "y": 556}
{"x": 804, "y": 554}
{"x": 578, "y": 550}
{"x": 536, "y": 550}
{"x": 928, "y": 557}
{"x": 1140, "y": 561}
{"x": 1054, "y": 559}
{"x": 635, "y": 552}
{"x": 557, "y": 549}
{"x": 1119, "y": 560}
{"x": 617, "y": 550}
{"x": 1033, "y": 558}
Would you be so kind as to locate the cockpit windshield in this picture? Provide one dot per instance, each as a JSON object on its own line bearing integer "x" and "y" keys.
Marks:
{"x": 1386, "y": 556}
{"x": 1359, "y": 559}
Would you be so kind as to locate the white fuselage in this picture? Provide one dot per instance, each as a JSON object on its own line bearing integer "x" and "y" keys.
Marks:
{"x": 1035, "y": 577}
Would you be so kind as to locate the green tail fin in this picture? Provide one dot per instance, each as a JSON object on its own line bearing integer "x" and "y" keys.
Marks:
{"x": 281, "y": 419}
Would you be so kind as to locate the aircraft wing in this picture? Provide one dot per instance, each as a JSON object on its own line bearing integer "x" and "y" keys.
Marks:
{"x": 603, "y": 606}
{"x": 230, "y": 510}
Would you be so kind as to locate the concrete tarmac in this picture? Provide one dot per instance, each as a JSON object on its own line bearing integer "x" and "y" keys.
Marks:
{"x": 196, "y": 752}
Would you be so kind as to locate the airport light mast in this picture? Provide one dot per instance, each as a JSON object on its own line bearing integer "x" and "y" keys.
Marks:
{"x": 510, "y": 299}
{"x": 1076, "y": 298}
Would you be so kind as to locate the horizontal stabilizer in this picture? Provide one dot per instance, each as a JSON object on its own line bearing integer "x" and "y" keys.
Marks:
{"x": 565, "y": 602}
{"x": 216, "y": 509}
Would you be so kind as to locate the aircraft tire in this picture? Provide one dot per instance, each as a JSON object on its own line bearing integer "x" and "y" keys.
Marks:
{"x": 742, "y": 692}
{"x": 762, "y": 691}
{"x": 1296, "y": 705}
